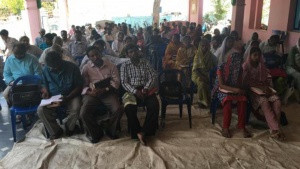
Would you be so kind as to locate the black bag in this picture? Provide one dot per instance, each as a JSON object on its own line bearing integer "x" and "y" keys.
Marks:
{"x": 25, "y": 95}
{"x": 283, "y": 119}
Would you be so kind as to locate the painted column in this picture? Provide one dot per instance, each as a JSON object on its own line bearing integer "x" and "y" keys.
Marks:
{"x": 156, "y": 11}
{"x": 34, "y": 20}
{"x": 63, "y": 15}
{"x": 196, "y": 11}
{"x": 237, "y": 18}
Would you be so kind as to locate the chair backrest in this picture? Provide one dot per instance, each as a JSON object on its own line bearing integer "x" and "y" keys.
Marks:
{"x": 25, "y": 91}
{"x": 172, "y": 83}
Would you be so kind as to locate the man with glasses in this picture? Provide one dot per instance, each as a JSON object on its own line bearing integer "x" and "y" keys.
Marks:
{"x": 19, "y": 64}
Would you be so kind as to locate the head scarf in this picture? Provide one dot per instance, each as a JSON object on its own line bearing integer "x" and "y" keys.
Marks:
{"x": 261, "y": 75}
{"x": 221, "y": 53}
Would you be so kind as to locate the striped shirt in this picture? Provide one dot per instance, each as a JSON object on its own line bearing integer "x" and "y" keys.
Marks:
{"x": 135, "y": 76}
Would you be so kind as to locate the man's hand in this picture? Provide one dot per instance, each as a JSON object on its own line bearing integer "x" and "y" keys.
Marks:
{"x": 64, "y": 99}
{"x": 45, "y": 94}
{"x": 145, "y": 92}
{"x": 139, "y": 94}
{"x": 96, "y": 92}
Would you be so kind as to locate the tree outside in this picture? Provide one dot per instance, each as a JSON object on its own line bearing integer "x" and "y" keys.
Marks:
{"x": 218, "y": 12}
{"x": 11, "y": 7}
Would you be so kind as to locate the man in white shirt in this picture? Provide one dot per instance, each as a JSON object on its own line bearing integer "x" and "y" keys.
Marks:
{"x": 8, "y": 42}
{"x": 66, "y": 40}
{"x": 118, "y": 44}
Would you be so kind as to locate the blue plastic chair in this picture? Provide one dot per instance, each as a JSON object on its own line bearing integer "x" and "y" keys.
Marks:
{"x": 172, "y": 91}
{"x": 14, "y": 111}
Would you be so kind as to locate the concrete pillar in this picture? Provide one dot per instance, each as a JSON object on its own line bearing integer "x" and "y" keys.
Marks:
{"x": 156, "y": 11}
{"x": 196, "y": 11}
{"x": 63, "y": 15}
{"x": 34, "y": 20}
{"x": 237, "y": 18}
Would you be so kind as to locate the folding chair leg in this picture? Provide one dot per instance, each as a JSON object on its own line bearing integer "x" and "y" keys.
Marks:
{"x": 180, "y": 110}
{"x": 190, "y": 114}
{"x": 13, "y": 123}
{"x": 163, "y": 115}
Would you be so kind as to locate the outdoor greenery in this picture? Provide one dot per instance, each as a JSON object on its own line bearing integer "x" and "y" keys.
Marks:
{"x": 49, "y": 7}
{"x": 220, "y": 8}
{"x": 11, "y": 7}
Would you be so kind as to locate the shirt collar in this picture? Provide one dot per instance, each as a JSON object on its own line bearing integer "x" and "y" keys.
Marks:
{"x": 105, "y": 63}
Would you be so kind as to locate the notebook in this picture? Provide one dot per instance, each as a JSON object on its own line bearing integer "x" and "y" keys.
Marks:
{"x": 100, "y": 84}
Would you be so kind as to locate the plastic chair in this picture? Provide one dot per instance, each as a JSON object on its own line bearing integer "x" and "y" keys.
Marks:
{"x": 172, "y": 91}
{"x": 14, "y": 110}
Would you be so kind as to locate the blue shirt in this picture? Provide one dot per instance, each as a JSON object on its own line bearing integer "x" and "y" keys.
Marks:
{"x": 62, "y": 82}
{"x": 15, "y": 68}
{"x": 43, "y": 46}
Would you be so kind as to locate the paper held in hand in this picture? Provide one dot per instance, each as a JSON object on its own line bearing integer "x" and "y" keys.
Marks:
{"x": 260, "y": 91}
{"x": 52, "y": 101}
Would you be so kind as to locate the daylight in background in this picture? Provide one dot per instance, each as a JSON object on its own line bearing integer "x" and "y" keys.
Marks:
{"x": 137, "y": 13}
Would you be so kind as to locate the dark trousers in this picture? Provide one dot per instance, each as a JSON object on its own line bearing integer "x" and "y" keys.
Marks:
{"x": 151, "y": 120}
{"x": 89, "y": 110}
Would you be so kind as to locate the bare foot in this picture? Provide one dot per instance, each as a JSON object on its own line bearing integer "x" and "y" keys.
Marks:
{"x": 275, "y": 134}
{"x": 246, "y": 133}
{"x": 226, "y": 133}
{"x": 142, "y": 138}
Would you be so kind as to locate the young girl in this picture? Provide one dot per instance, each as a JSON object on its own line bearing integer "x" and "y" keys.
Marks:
{"x": 255, "y": 75}
{"x": 228, "y": 89}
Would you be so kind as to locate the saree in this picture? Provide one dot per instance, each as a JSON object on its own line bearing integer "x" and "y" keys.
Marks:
{"x": 203, "y": 63}
{"x": 170, "y": 55}
{"x": 221, "y": 53}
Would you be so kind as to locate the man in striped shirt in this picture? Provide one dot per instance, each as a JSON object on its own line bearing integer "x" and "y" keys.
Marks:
{"x": 138, "y": 78}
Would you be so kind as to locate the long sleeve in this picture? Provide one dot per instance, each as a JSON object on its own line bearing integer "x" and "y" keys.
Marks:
{"x": 115, "y": 82}
{"x": 7, "y": 74}
{"x": 151, "y": 76}
{"x": 125, "y": 80}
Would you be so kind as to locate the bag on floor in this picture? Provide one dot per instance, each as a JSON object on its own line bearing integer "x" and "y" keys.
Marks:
{"x": 25, "y": 95}
{"x": 283, "y": 119}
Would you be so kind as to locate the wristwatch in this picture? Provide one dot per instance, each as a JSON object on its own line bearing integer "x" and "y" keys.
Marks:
{"x": 107, "y": 88}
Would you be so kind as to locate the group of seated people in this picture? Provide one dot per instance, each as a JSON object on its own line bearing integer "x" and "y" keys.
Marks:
{"x": 239, "y": 67}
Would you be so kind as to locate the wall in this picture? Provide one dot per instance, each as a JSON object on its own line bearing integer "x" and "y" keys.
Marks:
{"x": 281, "y": 17}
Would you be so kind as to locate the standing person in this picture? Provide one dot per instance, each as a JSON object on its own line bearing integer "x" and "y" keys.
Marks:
{"x": 228, "y": 88}
{"x": 71, "y": 31}
{"x": 98, "y": 69}
{"x": 61, "y": 77}
{"x": 226, "y": 50}
{"x": 19, "y": 64}
{"x": 31, "y": 49}
{"x": 137, "y": 78}
{"x": 255, "y": 74}
{"x": 9, "y": 42}
{"x": 204, "y": 61}
{"x": 39, "y": 40}
{"x": 66, "y": 40}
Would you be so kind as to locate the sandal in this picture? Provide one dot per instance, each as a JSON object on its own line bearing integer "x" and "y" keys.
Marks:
{"x": 278, "y": 136}
{"x": 226, "y": 133}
